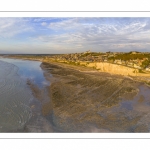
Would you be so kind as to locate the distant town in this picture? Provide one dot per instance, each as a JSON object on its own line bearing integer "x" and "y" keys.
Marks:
{"x": 132, "y": 59}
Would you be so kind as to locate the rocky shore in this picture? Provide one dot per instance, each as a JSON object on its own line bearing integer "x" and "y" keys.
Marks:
{"x": 85, "y": 100}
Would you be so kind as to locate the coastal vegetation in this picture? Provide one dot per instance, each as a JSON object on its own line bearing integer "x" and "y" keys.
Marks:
{"x": 132, "y": 63}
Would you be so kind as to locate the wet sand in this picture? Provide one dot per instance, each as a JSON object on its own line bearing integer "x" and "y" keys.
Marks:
{"x": 39, "y": 123}
{"x": 84, "y": 100}
{"x": 81, "y": 99}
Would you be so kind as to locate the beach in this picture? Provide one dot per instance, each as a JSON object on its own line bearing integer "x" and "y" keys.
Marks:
{"x": 85, "y": 100}
{"x": 77, "y": 99}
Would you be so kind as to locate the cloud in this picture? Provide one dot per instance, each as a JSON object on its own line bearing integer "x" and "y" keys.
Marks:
{"x": 78, "y": 34}
{"x": 9, "y": 27}
{"x": 68, "y": 24}
{"x": 101, "y": 32}
{"x": 43, "y": 23}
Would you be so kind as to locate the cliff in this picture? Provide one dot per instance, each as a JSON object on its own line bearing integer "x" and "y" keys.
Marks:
{"x": 114, "y": 68}
{"x": 106, "y": 67}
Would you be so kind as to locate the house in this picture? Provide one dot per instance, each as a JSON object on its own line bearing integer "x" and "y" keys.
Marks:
{"x": 136, "y": 66}
{"x": 147, "y": 69}
{"x": 130, "y": 64}
{"x": 118, "y": 61}
{"x": 135, "y": 52}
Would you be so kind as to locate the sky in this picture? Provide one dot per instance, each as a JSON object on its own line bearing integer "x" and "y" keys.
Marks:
{"x": 72, "y": 35}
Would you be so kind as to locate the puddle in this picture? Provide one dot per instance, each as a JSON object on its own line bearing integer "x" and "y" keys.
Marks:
{"x": 127, "y": 105}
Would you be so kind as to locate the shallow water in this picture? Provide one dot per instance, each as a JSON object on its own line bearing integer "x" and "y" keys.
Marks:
{"x": 142, "y": 99}
{"x": 29, "y": 70}
{"x": 15, "y": 95}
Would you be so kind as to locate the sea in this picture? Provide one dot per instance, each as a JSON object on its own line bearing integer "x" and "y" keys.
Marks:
{"x": 15, "y": 94}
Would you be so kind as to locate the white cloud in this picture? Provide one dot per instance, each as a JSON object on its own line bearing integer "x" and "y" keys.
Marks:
{"x": 79, "y": 34}
{"x": 43, "y": 23}
{"x": 9, "y": 27}
{"x": 128, "y": 33}
{"x": 67, "y": 24}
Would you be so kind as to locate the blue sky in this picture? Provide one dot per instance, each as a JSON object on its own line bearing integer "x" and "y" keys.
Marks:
{"x": 71, "y": 35}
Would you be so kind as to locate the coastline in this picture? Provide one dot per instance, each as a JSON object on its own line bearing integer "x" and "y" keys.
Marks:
{"x": 82, "y": 99}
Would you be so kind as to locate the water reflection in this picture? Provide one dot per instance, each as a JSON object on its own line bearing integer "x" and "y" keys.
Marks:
{"x": 29, "y": 70}
{"x": 15, "y": 96}
{"x": 127, "y": 105}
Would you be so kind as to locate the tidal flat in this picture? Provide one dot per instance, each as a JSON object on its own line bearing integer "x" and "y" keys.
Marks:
{"x": 54, "y": 97}
{"x": 20, "y": 109}
{"x": 84, "y": 100}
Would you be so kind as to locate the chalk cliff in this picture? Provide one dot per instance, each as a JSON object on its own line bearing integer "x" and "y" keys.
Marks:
{"x": 108, "y": 67}
{"x": 114, "y": 68}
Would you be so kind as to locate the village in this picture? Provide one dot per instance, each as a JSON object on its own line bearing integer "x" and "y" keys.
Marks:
{"x": 132, "y": 59}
